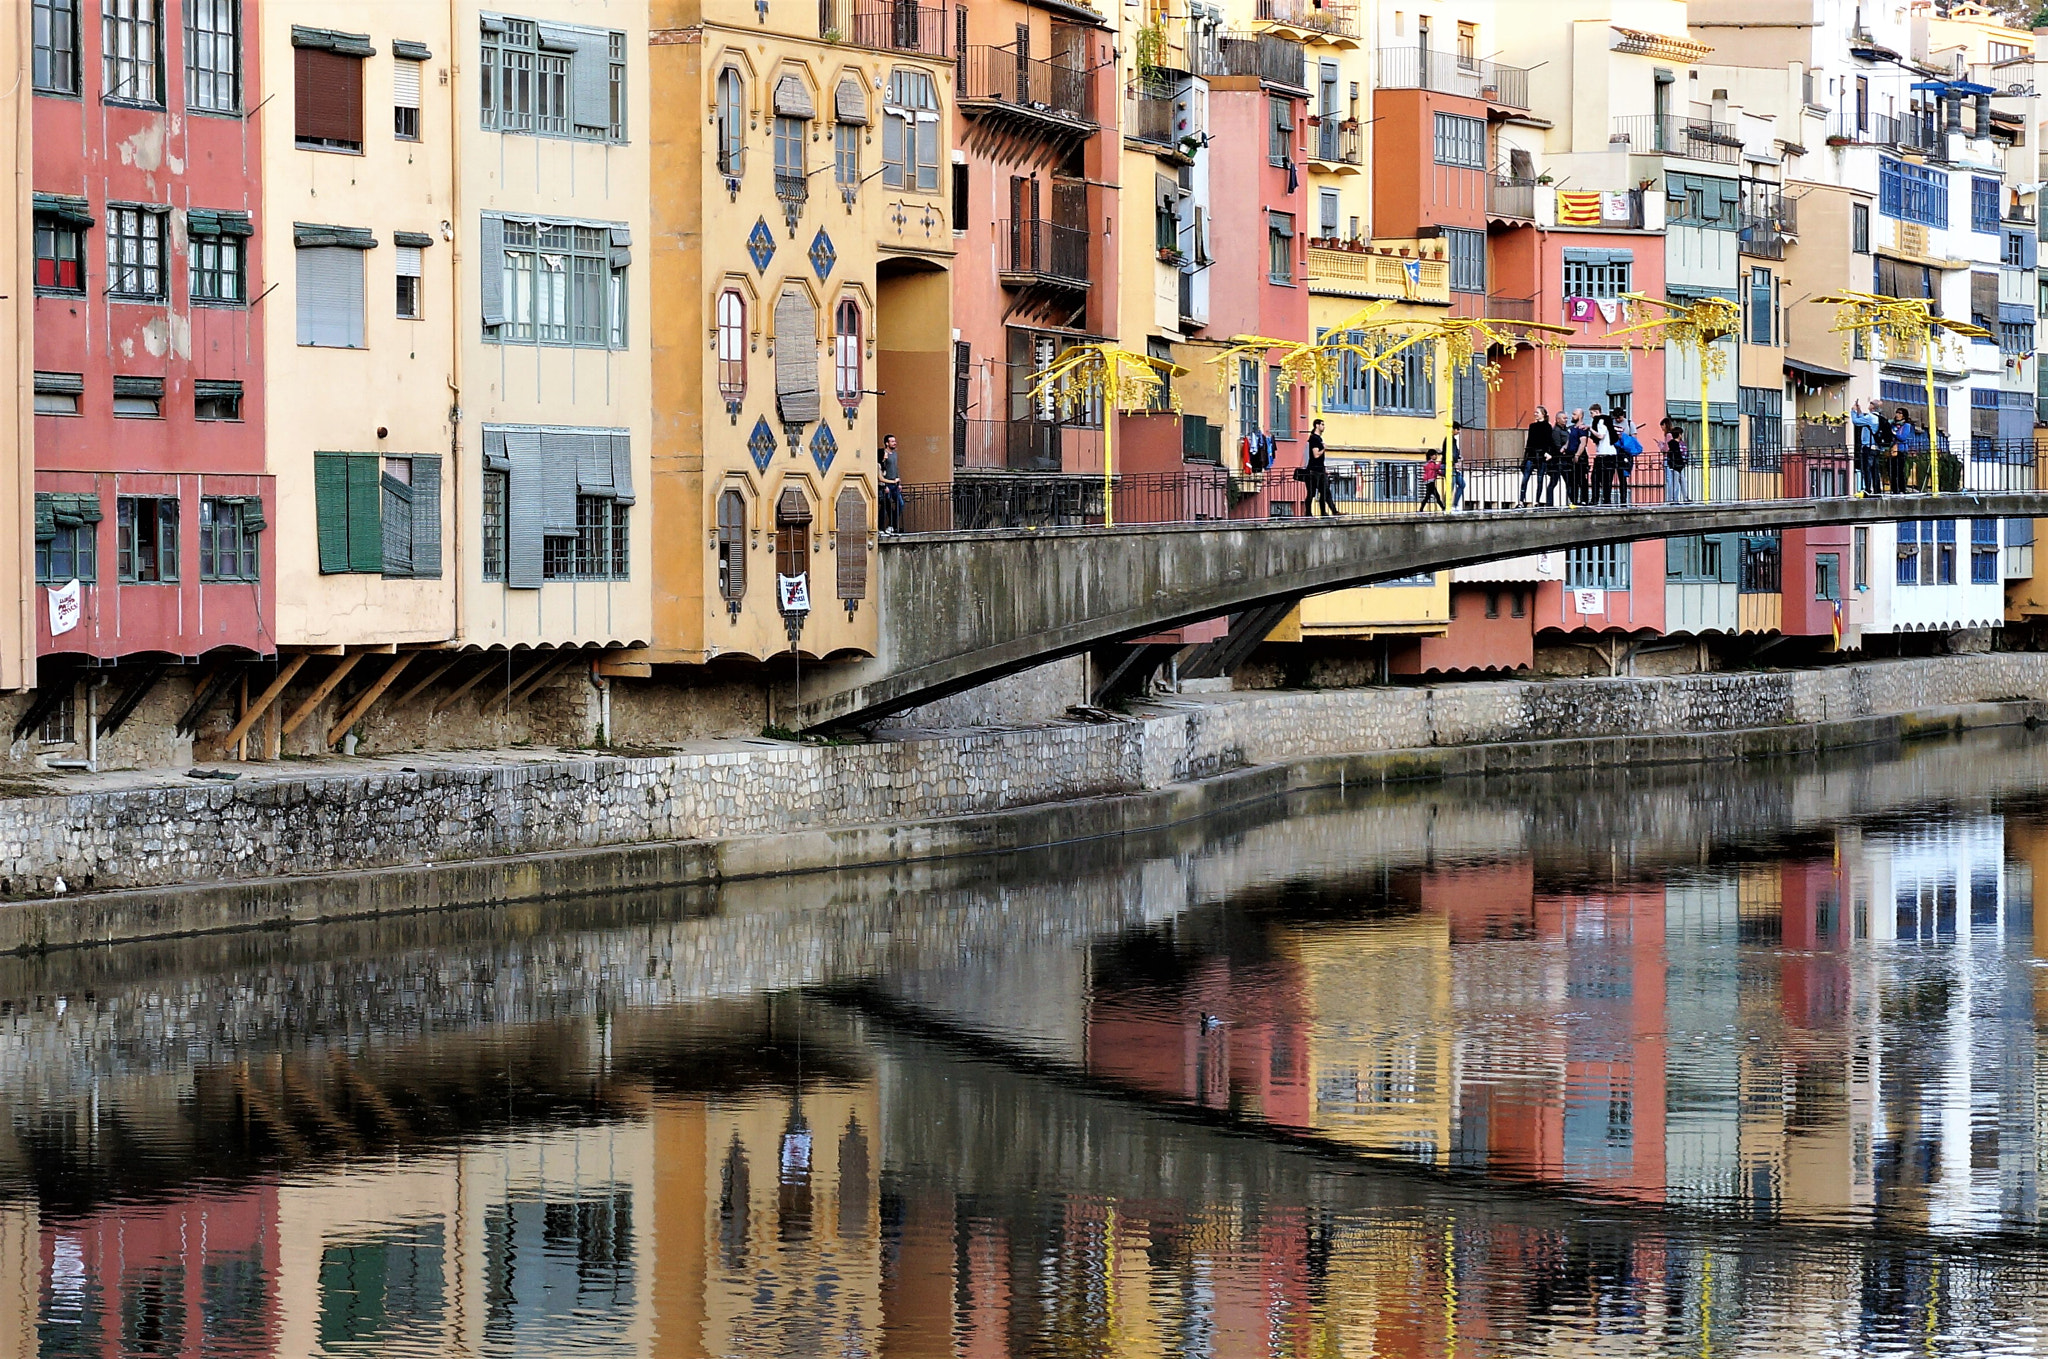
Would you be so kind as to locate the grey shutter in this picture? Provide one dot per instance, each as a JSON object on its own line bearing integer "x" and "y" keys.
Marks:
{"x": 523, "y": 535}
{"x": 330, "y": 283}
{"x": 494, "y": 451}
{"x": 397, "y": 515}
{"x": 622, "y": 468}
{"x": 793, "y": 98}
{"x": 561, "y": 454}
{"x": 594, "y": 465}
{"x": 1621, "y": 378}
{"x": 1582, "y": 385}
{"x": 850, "y": 102}
{"x": 491, "y": 269}
{"x": 892, "y": 147}
{"x": 426, "y": 517}
{"x": 927, "y": 150}
{"x": 590, "y": 81}
{"x": 796, "y": 359}
{"x": 622, "y": 247}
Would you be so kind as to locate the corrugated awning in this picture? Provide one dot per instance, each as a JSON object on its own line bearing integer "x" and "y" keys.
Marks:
{"x": 1814, "y": 370}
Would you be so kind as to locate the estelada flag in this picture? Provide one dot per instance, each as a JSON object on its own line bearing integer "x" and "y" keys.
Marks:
{"x": 1835, "y": 623}
{"x": 1578, "y": 209}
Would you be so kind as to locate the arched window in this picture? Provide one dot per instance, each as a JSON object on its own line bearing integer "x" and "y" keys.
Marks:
{"x": 850, "y": 544}
{"x": 846, "y": 373}
{"x": 792, "y": 533}
{"x": 732, "y": 122}
{"x": 732, "y": 344}
{"x": 732, "y": 547}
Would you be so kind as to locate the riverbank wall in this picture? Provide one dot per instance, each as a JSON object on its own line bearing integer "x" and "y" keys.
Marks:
{"x": 290, "y": 844}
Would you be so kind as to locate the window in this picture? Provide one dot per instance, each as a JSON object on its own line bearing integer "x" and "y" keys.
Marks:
{"x": 60, "y": 255}
{"x": 1983, "y": 204}
{"x": 1862, "y": 103}
{"x": 846, "y": 169}
{"x": 1859, "y": 228}
{"x": 410, "y": 264}
{"x": 55, "y": 34}
{"x": 228, "y": 526}
{"x": 732, "y": 344}
{"x": 732, "y": 122}
{"x": 1460, "y": 141}
{"x": 67, "y": 537}
{"x": 2015, "y": 338}
{"x": 327, "y": 88}
{"x": 1597, "y": 568}
{"x": 1279, "y": 130}
{"x": 139, "y": 398}
{"x": 494, "y": 524}
{"x": 1468, "y": 47}
{"x": 846, "y": 354}
{"x": 1247, "y": 396}
{"x": 1467, "y": 250}
{"x": 1909, "y": 553}
{"x": 60, "y": 727}
{"x": 131, "y": 47}
{"x": 1596, "y": 274}
{"x": 910, "y": 133}
{"x": 1282, "y": 403}
{"x": 1827, "y": 575}
{"x": 58, "y": 393}
{"x": 555, "y": 506}
{"x": 405, "y": 99}
{"x": 1897, "y": 278}
{"x": 790, "y": 182}
{"x": 409, "y": 505}
{"x": 1927, "y": 552}
{"x": 1407, "y": 389}
{"x": 1693, "y": 559}
{"x": 2013, "y": 252}
{"x": 553, "y": 79}
{"x": 599, "y": 549}
{"x": 732, "y": 547}
{"x": 796, "y": 358}
{"x": 1328, "y": 211}
{"x": 216, "y": 400}
{"x": 558, "y": 283}
{"x": 850, "y": 545}
{"x": 1761, "y": 310}
{"x": 1944, "y": 550}
{"x": 1280, "y": 247}
{"x": 146, "y": 539}
{"x": 1860, "y": 553}
{"x": 1762, "y": 569}
{"x": 380, "y": 516}
{"x": 330, "y": 296}
{"x": 214, "y": 255}
{"x": 135, "y": 253}
{"x": 213, "y": 55}
{"x": 1983, "y": 552}
{"x": 792, "y": 533}
{"x": 1912, "y": 193}
{"x": 1493, "y": 604}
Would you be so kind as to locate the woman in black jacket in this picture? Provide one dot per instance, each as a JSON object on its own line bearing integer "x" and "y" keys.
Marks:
{"x": 1539, "y": 457}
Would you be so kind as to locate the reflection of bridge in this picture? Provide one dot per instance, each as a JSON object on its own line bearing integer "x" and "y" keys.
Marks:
{"x": 961, "y": 609}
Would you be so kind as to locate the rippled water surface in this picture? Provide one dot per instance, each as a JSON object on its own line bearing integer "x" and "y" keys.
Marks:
{"x": 1740, "y": 1061}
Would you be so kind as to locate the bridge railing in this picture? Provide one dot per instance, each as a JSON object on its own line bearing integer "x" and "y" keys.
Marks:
{"x": 1393, "y": 485}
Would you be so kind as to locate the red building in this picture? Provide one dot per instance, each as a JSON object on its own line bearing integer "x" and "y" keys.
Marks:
{"x": 150, "y": 489}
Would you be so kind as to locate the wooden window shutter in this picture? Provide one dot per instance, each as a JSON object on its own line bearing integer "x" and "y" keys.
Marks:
{"x": 330, "y": 510}
{"x": 850, "y": 531}
{"x": 732, "y": 540}
{"x": 426, "y": 517}
{"x": 792, "y": 533}
{"x": 327, "y": 95}
{"x": 796, "y": 358}
{"x": 365, "y": 512}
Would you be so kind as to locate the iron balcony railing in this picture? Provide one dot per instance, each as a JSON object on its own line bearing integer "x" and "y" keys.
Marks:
{"x": 1149, "y": 118}
{"x": 1324, "y": 17}
{"x": 999, "y": 73}
{"x": 1918, "y": 129}
{"x": 1418, "y": 68}
{"x": 1693, "y": 138}
{"x": 1041, "y": 250}
{"x": 901, "y": 26}
{"x": 1370, "y": 484}
{"x": 1274, "y": 60}
{"x": 1515, "y": 198}
{"x": 1337, "y": 143}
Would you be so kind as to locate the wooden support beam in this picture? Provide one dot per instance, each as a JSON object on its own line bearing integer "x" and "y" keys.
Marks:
{"x": 369, "y": 696}
{"x": 264, "y": 700}
{"x": 533, "y": 679}
{"x": 513, "y": 683}
{"x": 210, "y": 692}
{"x": 490, "y": 667}
{"x": 320, "y": 692}
{"x": 433, "y": 674}
{"x": 137, "y": 690}
{"x": 626, "y": 669}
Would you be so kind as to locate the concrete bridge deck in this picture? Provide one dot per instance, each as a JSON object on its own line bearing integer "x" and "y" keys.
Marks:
{"x": 960, "y": 609}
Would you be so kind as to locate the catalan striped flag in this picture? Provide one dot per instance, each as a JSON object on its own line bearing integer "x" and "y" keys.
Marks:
{"x": 1835, "y": 624}
{"x": 1578, "y": 209}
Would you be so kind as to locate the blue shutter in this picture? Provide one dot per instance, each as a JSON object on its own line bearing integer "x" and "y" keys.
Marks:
{"x": 561, "y": 454}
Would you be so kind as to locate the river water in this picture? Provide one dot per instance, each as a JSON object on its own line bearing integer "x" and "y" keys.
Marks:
{"x": 1726, "y": 1060}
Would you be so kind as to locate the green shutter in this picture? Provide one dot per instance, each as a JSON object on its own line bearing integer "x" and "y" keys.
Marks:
{"x": 365, "y": 512}
{"x": 330, "y": 507}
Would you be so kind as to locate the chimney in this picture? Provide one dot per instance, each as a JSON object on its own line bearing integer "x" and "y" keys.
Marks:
{"x": 1952, "y": 106}
{"x": 1983, "y": 115}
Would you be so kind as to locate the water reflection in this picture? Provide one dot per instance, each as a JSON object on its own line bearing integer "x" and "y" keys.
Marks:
{"x": 1720, "y": 1061}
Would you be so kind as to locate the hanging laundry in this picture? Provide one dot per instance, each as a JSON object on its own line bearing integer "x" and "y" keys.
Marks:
{"x": 1577, "y": 309}
{"x": 1608, "y": 310}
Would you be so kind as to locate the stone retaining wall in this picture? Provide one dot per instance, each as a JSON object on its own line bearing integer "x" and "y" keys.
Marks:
{"x": 301, "y": 825}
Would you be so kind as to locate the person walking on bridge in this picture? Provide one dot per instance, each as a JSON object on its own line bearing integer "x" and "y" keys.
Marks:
{"x": 1677, "y": 464}
{"x": 1576, "y": 467}
{"x": 1317, "y": 482}
{"x": 1432, "y": 477}
{"x": 1600, "y": 431}
{"x": 1539, "y": 457}
{"x": 1906, "y": 442}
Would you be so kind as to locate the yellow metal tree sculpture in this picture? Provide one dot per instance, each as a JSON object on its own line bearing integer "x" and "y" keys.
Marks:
{"x": 1119, "y": 379}
{"x": 1901, "y": 324}
{"x": 1694, "y": 329}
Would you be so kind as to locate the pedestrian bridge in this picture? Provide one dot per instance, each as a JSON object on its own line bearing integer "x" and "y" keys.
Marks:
{"x": 959, "y": 609}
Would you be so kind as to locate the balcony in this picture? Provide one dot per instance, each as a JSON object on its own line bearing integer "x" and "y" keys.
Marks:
{"x": 1013, "y": 93}
{"x": 1326, "y": 24}
{"x": 1418, "y": 68}
{"x": 1163, "y": 117}
{"x": 1366, "y": 272}
{"x": 1336, "y": 147}
{"x": 901, "y": 26}
{"x": 1511, "y": 200}
{"x": 1693, "y": 138}
{"x": 1263, "y": 56}
{"x": 1919, "y": 130}
{"x": 1042, "y": 254}
{"x": 1768, "y": 221}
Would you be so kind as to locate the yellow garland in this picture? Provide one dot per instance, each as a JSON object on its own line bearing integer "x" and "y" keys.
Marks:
{"x": 1694, "y": 328}
{"x": 1122, "y": 379}
{"x": 1900, "y": 324}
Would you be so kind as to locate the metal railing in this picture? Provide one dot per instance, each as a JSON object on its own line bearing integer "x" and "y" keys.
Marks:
{"x": 1418, "y": 68}
{"x": 1375, "y": 485}
{"x": 1514, "y": 198}
{"x": 998, "y": 73}
{"x": 1693, "y": 138}
{"x": 1337, "y": 143}
{"x": 1919, "y": 130}
{"x": 1149, "y": 118}
{"x": 1274, "y": 60}
{"x": 901, "y": 26}
{"x": 1044, "y": 250}
{"x": 1325, "y": 17}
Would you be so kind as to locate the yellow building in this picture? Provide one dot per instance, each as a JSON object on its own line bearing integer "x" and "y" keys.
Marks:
{"x": 17, "y": 352}
{"x": 802, "y": 243}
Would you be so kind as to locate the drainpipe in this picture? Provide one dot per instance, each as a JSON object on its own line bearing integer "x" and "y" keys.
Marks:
{"x": 603, "y": 685}
{"x": 454, "y": 486}
{"x": 92, "y": 722}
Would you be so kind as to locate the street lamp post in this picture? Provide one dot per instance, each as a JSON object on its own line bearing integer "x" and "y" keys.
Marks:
{"x": 1900, "y": 323}
{"x": 1694, "y": 328}
{"x": 1120, "y": 378}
